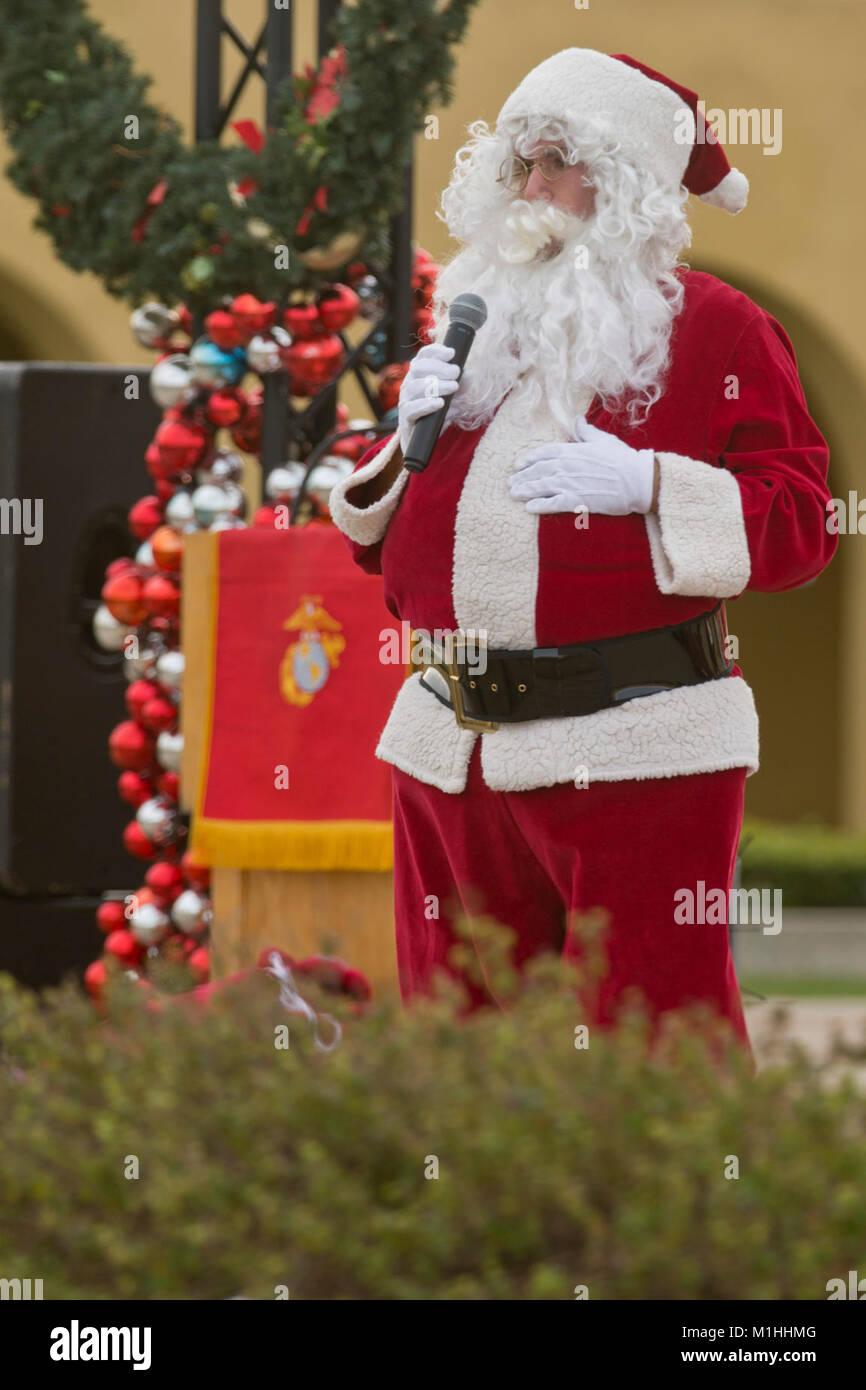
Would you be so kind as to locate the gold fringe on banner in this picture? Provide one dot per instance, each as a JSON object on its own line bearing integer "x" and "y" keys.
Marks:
{"x": 250, "y": 844}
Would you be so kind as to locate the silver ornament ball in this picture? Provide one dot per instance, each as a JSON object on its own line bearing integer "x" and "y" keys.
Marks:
{"x": 191, "y": 912}
{"x": 143, "y": 666}
{"x": 223, "y": 466}
{"x": 169, "y": 750}
{"x": 151, "y": 323}
{"x": 148, "y": 924}
{"x": 210, "y": 502}
{"x": 282, "y": 483}
{"x": 171, "y": 381}
{"x": 266, "y": 351}
{"x": 110, "y": 635}
{"x": 327, "y": 473}
{"x": 169, "y": 670}
{"x": 372, "y": 298}
{"x": 158, "y": 820}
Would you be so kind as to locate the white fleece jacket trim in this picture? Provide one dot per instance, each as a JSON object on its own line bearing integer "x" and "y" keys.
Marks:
{"x": 698, "y": 728}
{"x": 367, "y": 525}
{"x": 495, "y": 569}
{"x": 702, "y": 728}
{"x": 423, "y": 738}
{"x": 698, "y": 538}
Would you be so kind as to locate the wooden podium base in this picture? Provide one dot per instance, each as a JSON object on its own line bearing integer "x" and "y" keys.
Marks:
{"x": 347, "y": 914}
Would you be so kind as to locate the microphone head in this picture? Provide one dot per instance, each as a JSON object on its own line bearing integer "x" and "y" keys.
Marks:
{"x": 469, "y": 310}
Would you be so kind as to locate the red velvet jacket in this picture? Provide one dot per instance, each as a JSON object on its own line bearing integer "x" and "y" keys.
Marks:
{"x": 742, "y": 504}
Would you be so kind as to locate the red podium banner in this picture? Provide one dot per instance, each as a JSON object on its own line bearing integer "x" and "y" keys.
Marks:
{"x": 298, "y": 696}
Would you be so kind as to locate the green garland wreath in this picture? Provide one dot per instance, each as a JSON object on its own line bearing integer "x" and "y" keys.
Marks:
{"x": 154, "y": 218}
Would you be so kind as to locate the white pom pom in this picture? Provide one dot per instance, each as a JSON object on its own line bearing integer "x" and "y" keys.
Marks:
{"x": 731, "y": 195}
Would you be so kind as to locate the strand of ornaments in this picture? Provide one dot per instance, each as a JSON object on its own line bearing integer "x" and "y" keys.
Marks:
{"x": 210, "y": 391}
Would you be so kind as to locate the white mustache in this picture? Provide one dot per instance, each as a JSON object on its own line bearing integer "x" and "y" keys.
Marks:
{"x": 528, "y": 229}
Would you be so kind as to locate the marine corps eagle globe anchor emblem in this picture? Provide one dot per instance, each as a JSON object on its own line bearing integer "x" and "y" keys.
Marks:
{"x": 307, "y": 663}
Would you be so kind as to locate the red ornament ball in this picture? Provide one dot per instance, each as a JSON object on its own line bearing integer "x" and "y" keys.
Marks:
{"x": 122, "y": 565}
{"x": 130, "y": 746}
{"x": 137, "y": 695}
{"x": 136, "y": 843}
{"x": 110, "y": 915}
{"x": 251, "y": 316}
{"x": 195, "y": 870}
{"x": 123, "y": 596}
{"x": 168, "y": 785}
{"x": 221, "y": 328}
{"x": 145, "y": 516}
{"x": 181, "y": 444}
{"x": 313, "y": 364}
{"x": 247, "y": 434}
{"x": 224, "y": 408}
{"x": 161, "y": 597}
{"x": 95, "y": 977}
{"x": 152, "y": 460}
{"x": 266, "y": 518}
{"x": 338, "y": 307}
{"x": 303, "y": 322}
{"x": 352, "y": 447}
{"x": 134, "y": 789}
{"x": 123, "y": 945}
{"x": 166, "y": 881}
{"x": 389, "y": 383}
{"x": 159, "y": 714}
{"x": 199, "y": 964}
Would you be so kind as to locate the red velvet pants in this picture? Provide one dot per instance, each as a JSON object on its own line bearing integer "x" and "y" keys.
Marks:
{"x": 530, "y": 859}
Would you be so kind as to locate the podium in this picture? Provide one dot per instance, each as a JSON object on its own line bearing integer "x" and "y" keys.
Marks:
{"x": 284, "y": 696}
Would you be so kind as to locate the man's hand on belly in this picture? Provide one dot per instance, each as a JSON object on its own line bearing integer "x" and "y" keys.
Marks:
{"x": 596, "y": 472}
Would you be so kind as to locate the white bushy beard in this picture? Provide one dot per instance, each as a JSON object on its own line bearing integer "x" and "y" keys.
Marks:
{"x": 568, "y": 309}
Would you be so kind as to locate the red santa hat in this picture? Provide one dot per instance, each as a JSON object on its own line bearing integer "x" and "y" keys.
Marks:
{"x": 656, "y": 121}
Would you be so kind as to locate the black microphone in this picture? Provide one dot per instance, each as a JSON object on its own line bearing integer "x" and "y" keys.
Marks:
{"x": 465, "y": 316}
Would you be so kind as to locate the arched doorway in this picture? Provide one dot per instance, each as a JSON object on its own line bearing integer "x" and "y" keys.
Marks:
{"x": 32, "y": 330}
{"x": 799, "y": 649}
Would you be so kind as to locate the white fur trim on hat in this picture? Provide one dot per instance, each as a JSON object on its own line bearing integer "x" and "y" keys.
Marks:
{"x": 731, "y": 195}
{"x": 651, "y": 122}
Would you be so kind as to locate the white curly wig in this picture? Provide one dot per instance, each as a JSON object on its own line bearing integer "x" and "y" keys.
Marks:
{"x": 594, "y": 308}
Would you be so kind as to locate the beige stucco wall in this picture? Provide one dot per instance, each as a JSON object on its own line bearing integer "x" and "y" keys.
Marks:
{"x": 796, "y": 248}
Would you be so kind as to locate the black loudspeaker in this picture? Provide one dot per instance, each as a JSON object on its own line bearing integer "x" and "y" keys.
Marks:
{"x": 73, "y": 437}
{"x": 44, "y": 940}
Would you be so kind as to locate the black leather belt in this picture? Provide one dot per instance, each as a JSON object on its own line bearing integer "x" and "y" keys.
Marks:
{"x": 545, "y": 682}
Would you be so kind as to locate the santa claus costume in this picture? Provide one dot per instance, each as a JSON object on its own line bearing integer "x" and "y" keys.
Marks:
{"x": 600, "y": 757}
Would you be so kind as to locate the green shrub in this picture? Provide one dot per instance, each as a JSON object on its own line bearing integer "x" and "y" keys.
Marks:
{"x": 601, "y": 1166}
{"x": 815, "y": 865}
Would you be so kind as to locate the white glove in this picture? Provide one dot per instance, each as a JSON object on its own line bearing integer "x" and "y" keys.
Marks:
{"x": 430, "y": 378}
{"x": 596, "y": 473}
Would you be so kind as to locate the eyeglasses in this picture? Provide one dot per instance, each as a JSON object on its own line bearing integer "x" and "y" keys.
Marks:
{"x": 514, "y": 172}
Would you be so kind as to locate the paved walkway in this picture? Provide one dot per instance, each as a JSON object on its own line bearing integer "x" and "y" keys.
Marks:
{"x": 813, "y": 1023}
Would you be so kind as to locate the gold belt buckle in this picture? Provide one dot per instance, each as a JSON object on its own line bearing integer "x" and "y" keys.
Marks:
{"x": 483, "y": 726}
